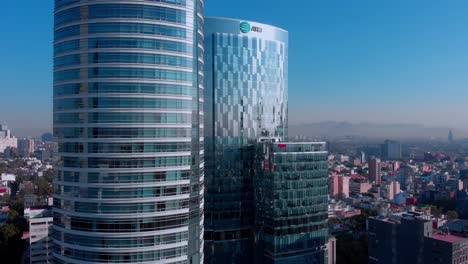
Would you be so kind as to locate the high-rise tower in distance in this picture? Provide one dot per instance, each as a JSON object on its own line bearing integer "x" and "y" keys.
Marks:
{"x": 450, "y": 137}
{"x": 391, "y": 150}
{"x": 128, "y": 117}
{"x": 375, "y": 170}
{"x": 246, "y": 71}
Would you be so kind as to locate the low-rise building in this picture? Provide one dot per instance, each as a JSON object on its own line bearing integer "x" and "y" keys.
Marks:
{"x": 40, "y": 243}
{"x": 409, "y": 238}
{"x": 359, "y": 186}
{"x": 6, "y": 139}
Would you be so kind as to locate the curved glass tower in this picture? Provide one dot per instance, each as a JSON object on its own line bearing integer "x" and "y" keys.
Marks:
{"x": 246, "y": 71}
{"x": 128, "y": 117}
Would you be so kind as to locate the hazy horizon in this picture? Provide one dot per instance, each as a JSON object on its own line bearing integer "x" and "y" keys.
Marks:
{"x": 358, "y": 61}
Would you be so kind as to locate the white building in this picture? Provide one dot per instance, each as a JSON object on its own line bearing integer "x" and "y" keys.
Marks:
{"x": 7, "y": 177}
{"x": 40, "y": 242}
{"x": 6, "y": 139}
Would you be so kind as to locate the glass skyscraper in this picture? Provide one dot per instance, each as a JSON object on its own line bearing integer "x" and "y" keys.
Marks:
{"x": 246, "y": 73}
{"x": 128, "y": 117}
{"x": 291, "y": 201}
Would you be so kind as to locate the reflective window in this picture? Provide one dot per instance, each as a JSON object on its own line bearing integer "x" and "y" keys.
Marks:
{"x": 149, "y": 73}
{"x": 137, "y": 28}
{"x": 137, "y": 11}
{"x": 140, "y": 58}
{"x": 139, "y": 43}
{"x": 67, "y": 32}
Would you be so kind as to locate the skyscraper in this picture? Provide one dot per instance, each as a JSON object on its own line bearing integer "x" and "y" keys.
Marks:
{"x": 26, "y": 146}
{"x": 128, "y": 117}
{"x": 391, "y": 150}
{"x": 450, "y": 137}
{"x": 291, "y": 196}
{"x": 375, "y": 170}
{"x": 246, "y": 73}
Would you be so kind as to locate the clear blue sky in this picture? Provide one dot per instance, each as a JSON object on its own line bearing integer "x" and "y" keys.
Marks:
{"x": 395, "y": 61}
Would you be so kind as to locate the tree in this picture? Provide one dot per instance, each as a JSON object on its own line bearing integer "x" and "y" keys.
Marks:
{"x": 436, "y": 211}
{"x": 7, "y": 232}
{"x": 452, "y": 214}
{"x": 43, "y": 187}
{"x": 12, "y": 215}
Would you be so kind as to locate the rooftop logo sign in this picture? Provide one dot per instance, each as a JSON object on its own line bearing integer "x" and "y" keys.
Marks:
{"x": 245, "y": 27}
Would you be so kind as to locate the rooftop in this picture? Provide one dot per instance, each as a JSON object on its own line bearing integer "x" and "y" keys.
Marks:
{"x": 448, "y": 238}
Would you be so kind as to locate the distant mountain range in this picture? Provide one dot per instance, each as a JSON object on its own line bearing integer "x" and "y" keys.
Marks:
{"x": 333, "y": 129}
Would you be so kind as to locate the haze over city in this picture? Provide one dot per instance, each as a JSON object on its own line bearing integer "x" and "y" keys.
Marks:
{"x": 392, "y": 62}
{"x": 237, "y": 132}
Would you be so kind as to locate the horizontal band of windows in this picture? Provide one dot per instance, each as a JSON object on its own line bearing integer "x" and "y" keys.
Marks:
{"x": 128, "y": 11}
{"x": 304, "y": 190}
{"x": 123, "y": 225}
{"x": 317, "y": 196}
{"x": 116, "y": 184}
{"x": 59, "y": 259}
{"x": 127, "y": 42}
{"x": 130, "y": 88}
{"x": 123, "y": 28}
{"x": 111, "y": 43}
{"x": 135, "y": 68}
{"x": 125, "y": 162}
{"x": 301, "y": 175}
{"x": 126, "y": 110}
{"x": 300, "y": 183}
{"x": 125, "y": 96}
{"x": 310, "y": 205}
{"x": 121, "y": 57}
{"x": 121, "y": 118}
{"x": 117, "y": 193}
{"x": 132, "y": 73}
{"x": 286, "y": 246}
{"x": 60, "y": 4}
{"x": 133, "y": 250}
{"x": 121, "y": 257}
{"x": 122, "y": 102}
{"x": 121, "y": 242}
{"x": 126, "y": 216}
{"x": 84, "y": 55}
{"x": 297, "y": 230}
{"x": 67, "y": 46}
{"x": 127, "y": 80}
{"x": 148, "y": 155}
{"x": 121, "y": 200}
{"x": 123, "y": 178}
{"x": 128, "y": 170}
{"x": 124, "y": 208}
{"x": 122, "y": 133}
{"x": 120, "y": 235}
{"x": 301, "y": 166}
{"x": 84, "y": 24}
{"x": 300, "y": 221}
{"x": 301, "y": 157}
{"x": 125, "y": 147}
{"x": 91, "y": 46}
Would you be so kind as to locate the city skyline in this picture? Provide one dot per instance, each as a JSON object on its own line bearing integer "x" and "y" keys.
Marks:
{"x": 358, "y": 62}
{"x": 266, "y": 132}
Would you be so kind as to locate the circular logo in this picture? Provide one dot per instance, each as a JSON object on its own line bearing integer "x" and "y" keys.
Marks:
{"x": 245, "y": 27}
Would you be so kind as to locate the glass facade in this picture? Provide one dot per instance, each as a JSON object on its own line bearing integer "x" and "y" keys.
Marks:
{"x": 291, "y": 196}
{"x": 245, "y": 98}
{"x": 128, "y": 117}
